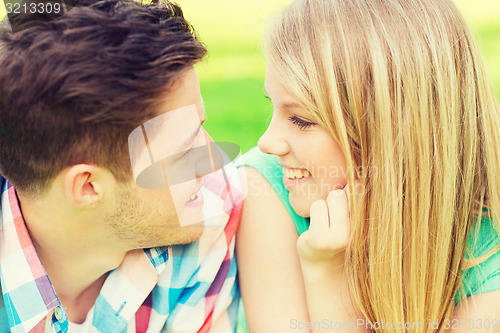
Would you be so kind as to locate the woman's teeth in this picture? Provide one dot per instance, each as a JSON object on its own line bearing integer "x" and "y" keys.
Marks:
{"x": 296, "y": 173}
{"x": 194, "y": 196}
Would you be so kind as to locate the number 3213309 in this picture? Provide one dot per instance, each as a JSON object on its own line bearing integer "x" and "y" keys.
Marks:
{"x": 33, "y": 8}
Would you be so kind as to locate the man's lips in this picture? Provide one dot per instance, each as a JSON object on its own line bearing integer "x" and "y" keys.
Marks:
{"x": 196, "y": 193}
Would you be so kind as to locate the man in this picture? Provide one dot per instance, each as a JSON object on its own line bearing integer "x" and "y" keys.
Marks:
{"x": 86, "y": 243}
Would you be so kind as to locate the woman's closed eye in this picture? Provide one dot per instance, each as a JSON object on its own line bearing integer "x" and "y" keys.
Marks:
{"x": 300, "y": 123}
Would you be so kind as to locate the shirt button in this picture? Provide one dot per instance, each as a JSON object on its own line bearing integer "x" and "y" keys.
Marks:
{"x": 58, "y": 313}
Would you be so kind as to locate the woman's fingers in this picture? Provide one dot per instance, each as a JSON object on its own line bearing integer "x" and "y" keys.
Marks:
{"x": 338, "y": 206}
{"x": 319, "y": 217}
{"x": 330, "y": 227}
{"x": 323, "y": 241}
{"x": 314, "y": 243}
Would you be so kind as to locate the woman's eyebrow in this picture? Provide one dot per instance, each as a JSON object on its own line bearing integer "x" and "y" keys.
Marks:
{"x": 290, "y": 105}
{"x": 266, "y": 93}
{"x": 285, "y": 105}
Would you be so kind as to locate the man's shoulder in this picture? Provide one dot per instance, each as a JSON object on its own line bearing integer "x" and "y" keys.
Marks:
{"x": 202, "y": 275}
{"x": 4, "y": 321}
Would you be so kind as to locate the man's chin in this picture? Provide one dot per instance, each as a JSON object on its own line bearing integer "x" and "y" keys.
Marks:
{"x": 175, "y": 236}
{"x": 188, "y": 234}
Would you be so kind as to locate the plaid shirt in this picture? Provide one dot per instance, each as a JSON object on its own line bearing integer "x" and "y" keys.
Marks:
{"x": 181, "y": 288}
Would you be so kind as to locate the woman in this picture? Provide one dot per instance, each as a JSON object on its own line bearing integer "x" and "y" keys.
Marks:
{"x": 391, "y": 98}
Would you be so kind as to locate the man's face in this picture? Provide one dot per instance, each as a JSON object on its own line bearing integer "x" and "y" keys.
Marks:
{"x": 155, "y": 216}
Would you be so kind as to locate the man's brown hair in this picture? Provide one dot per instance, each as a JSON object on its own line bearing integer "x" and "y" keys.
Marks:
{"x": 72, "y": 89}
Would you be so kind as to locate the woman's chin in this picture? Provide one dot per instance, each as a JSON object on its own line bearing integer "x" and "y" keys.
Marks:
{"x": 301, "y": 206}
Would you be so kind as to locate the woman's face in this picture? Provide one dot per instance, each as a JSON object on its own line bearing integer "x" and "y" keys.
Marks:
{"x": 313, "y": 164}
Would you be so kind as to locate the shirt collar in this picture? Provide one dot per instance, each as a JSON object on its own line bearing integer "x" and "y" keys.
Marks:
{"x": 28, "y": 292}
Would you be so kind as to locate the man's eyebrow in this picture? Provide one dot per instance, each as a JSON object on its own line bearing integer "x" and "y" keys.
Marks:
{"x": 193, "y": 135}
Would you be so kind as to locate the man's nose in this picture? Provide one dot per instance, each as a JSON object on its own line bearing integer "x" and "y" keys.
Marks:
{"x": 205, "y": 159}
{"x": 273, "y": 141}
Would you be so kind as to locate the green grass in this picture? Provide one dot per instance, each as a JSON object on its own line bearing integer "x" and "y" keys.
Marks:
{"x": 231, "y": 78}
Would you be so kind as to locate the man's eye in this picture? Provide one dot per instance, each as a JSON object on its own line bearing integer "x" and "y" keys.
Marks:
{"x": 186, "y": 153}
{"x": 300, "y": 123}
{"x": 181, "y": 156}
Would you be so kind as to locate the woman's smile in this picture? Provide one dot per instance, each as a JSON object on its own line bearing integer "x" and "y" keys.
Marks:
{"x": 295, "y": 176}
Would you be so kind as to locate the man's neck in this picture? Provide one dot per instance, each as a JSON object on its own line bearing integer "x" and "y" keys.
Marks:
{"x": 78, "y": 307}
{"x": 76, "y": 256}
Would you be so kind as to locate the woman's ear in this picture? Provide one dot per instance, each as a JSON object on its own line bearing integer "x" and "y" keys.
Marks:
{"x": 84, "y": 184}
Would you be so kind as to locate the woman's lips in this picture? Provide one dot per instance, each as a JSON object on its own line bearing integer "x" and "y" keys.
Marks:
{"x": 295, "y": 176}
{"x": 295, "y": 172}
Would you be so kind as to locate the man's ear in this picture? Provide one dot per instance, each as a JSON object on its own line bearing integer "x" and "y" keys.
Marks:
{"x": 84, "y": 184}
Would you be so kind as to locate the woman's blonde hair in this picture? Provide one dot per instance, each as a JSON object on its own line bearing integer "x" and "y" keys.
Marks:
{"x": 402, "y": 88}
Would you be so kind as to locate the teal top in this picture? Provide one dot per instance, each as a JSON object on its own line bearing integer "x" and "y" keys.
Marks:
{"x": 478, "y": 279}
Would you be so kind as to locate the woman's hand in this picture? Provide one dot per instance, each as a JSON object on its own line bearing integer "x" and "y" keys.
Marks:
{"x": 321, "y": 251}
{"x": 329, "y": 231}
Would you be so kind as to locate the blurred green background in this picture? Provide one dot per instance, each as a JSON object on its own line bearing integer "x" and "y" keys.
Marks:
{"x": 232, "y": 76}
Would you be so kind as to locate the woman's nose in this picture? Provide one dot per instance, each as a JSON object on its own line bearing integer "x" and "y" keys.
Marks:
{"x": 273, "y": 140}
